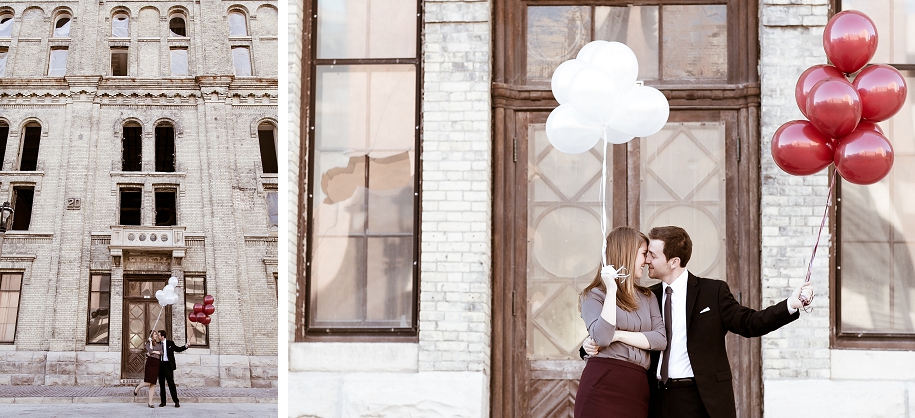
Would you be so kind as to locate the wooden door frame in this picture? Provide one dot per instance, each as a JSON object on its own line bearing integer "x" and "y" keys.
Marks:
{"x": 125, "y": 333}
{"x": 738, "y": 100}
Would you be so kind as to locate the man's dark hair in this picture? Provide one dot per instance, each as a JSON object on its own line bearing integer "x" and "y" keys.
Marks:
{"x": 162, "y": 331}
{"x": 676, "y": 242}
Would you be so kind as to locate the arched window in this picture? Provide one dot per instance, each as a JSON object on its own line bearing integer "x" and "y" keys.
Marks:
{"x": 165, "y": 148}
{"x": 238, "y": 25}
{"x": 132, "y": 150}
{"x": 120, "y": 24}
{"x": 6, "y": 25}
{"x": 4, "y": 132}
{"x": 266, "y": 134}
{"x": 177, "y": 27}
{"x": 62, "y": 26}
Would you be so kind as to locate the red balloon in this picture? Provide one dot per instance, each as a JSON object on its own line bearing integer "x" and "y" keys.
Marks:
{"x": 864, "y": 157}
{"x": 209, "y": 309}
{"x": 192, "y": 316}
{"x": 198, "y": 307}
{"x": 870, "y": 126}
{"x": 850, "y": 40}
{"x": 800, "y": 149}
{"x": 808, "y": 79}
{"x": 205, "y": 320}
{"x": 200, "y": 316}
{"x": 882, "y": 90}
{"x": 209, "y": 300}
{"x": 834, "y": 107}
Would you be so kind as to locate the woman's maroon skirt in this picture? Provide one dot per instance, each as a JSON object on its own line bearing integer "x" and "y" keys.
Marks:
{"x": 152, "y": 370}
{"x": 612, "y": 388}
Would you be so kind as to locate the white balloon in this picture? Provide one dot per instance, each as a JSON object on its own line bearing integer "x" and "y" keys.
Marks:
{"x": 173, "y": 281}
{"x": 169, "y": 289}
{"x": 562, "y": 78}
{"x": 587, "y": 51}
{"x": 568, "y": 133}
{"x": 646, "y": 112}
{"x": 619, "y": 61}
{"x": 594, "y": 95}
{"x": 170, "y": 299}
{"x": 616, "y": 137}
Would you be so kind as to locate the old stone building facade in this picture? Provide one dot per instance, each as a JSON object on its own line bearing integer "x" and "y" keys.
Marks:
{"x": 138, "y": 143}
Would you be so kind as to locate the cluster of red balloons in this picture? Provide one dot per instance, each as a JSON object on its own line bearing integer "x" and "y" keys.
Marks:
{"x": 202, "y": 311}
{"x": 843, "y": 115}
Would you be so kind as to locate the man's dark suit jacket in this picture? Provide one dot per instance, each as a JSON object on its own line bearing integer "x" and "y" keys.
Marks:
{"x": 172, "y": 348}
{"x": 705, "y": 334}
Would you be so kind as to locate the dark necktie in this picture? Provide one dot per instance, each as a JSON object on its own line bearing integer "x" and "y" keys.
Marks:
{"x": 668, "y": 325}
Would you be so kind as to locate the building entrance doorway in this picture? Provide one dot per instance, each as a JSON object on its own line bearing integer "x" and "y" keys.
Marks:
{"x": 141, "y": 309}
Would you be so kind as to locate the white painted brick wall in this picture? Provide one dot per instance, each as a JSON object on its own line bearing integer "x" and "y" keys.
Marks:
{"x": 455, "y": 310}
{"x": 792, "y": 207}
{"x": 295, "y": 30}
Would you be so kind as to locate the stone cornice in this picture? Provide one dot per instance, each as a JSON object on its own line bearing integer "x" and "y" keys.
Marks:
{"x": 31, "y": 90}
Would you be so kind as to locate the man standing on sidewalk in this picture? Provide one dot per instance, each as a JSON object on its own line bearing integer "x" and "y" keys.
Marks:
{"x": 167, "y": 368}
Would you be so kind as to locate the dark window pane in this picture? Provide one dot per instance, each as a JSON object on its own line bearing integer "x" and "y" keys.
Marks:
{"x": 22, "y": 207}
{"x": 131, "y": 200}
{"x": 119, "y": 62}
{"x": 176, "y": 26}
{"x": 555, "y": 34}
{"x": 695, "y": 42}
{"x": 165, "y": 149}
{"x": 30, "y": 145}
{"x": 132, "y": 149}
{"x": 165, "y": 208}
{"x": 268, "y": 150}
{"x": 4, "y": 133}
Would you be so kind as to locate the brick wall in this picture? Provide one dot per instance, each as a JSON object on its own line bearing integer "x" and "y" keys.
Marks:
{"x": 791, "y": 41}
{"x": 293, "y": 124}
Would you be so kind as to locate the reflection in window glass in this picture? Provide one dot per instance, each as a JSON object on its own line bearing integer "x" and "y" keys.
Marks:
{"x": 194, "y": 291}
{"x": 237, "y": 24}
{"x": 273, "y": 210}
{"x": 877, "y": 232}
{"x": 635, "y": 26}
{"x": 119, "y": 26}
{"x": 6, "y": 26}
{"x": 695, "y": 42}
{"x": 555, "y": 34}
{"x": 241, "y": 59}
{"x": 366, "y": 29}
{"x": 62, "y": 28}
{"x": 99, "y": 309}
{"x": 178, "y": 62}
{"x": 3, "y": 54}
{"x": 10, "y": 286}
{"x": 176, "y": 27}
{"x": 58, "y": 65}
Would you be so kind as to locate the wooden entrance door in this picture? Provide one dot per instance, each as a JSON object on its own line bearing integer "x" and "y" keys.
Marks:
{"x": 141, "y": 311}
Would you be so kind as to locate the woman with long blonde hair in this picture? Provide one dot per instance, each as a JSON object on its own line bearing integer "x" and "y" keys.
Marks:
{"x": 623, "y": 318}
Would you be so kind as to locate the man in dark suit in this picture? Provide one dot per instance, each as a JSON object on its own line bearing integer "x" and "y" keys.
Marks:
{"x": 167, "y": 368}
{"x": 691, "y": 378}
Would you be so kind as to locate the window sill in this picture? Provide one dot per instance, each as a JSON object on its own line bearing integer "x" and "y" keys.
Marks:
{"x": 96, "y": 348}
{"x": 157, "y": 174}
{"x": 7, "y": 346}
{"x": 21, "y": 173}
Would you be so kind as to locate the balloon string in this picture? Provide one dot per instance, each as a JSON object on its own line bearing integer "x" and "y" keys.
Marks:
{"x": 832, "y": 183}
{"x": 602, "y": 191}
{"x": 157, "y": 318}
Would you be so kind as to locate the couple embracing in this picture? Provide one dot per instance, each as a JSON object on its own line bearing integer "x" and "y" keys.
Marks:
{"x": 660, "y": 351}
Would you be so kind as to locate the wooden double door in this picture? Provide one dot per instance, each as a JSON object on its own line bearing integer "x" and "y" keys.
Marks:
{"x": 548, "y": 240}
{"x": 142, "y": 315}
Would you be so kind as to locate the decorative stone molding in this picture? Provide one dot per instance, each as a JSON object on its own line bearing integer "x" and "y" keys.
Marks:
{"x": 147, "y": 238}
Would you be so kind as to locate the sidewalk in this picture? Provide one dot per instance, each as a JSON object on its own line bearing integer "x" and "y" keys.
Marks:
{"x": 124, "y": 394}
{"x": 193, "y": 410}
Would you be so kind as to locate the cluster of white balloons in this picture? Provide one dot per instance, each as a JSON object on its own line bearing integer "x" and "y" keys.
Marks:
{"x": 167, "y": 295}
{"x": 598, "y": 98}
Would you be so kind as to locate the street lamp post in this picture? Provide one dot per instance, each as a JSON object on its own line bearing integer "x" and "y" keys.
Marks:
{"x": 6, "y": 215}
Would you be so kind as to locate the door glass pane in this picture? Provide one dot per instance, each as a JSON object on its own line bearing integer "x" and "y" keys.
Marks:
{"x": 695, "y": 42}
{"x": 564, "y": 242}
{"x": 635, "y": 26}
{"x": 683, "y": 184}
{"x": 555, "y": 34}
{"x": 366, "y": 29}
{"x": 877, "y": 225}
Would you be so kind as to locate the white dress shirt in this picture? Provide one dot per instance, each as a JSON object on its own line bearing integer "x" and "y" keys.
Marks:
{"x": 679, "y": 366}
{"x": 164, "y": 350}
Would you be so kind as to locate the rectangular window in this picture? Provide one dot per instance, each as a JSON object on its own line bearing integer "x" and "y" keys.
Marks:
{"x": 99, "y": 309}
{"x": 57, "y": 67}
{"x": 267, "y": 140}
{"x": 23, "y": 198}
{"x": 4, "y": 133}
{"x": 241, "y": 59}
{"x": 165, "y": 207}
{"x": 3, "y": 54}
{"x": 132, "y": 153}
{"x": 131, "y": 201}
{"x": 273, "y": 211}
{"x": 179, "y": 62}
{"x": 194, "y": 291}
{"x": 30, "y": 144}
{"x": 165, "y": 149}
{"x": 361, "y": 276}
{"x": 874, "y": 274}
{"x": 119, "y": 62}
{"x": 10, "y": 287}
